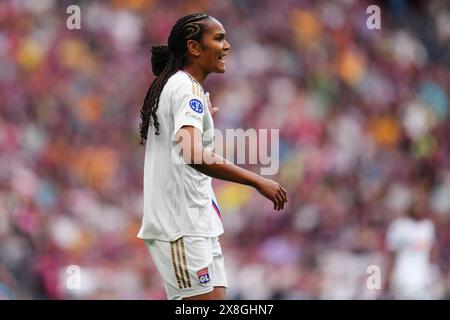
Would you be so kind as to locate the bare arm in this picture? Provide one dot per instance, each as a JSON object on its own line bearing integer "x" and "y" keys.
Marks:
{"x": 215, "y": 166}
{"x": 390, "y": 260}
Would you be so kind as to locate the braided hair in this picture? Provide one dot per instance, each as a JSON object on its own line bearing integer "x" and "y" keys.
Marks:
{"x": 167, "y": 60}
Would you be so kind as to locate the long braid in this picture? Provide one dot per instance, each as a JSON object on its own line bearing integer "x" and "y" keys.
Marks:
{"x": 166, "y": 60}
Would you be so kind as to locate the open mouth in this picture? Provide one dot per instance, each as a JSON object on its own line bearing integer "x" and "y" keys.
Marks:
{"x": 221, "y": 58}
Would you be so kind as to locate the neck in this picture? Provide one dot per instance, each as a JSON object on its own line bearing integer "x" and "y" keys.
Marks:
{"x": 195, "y": 73}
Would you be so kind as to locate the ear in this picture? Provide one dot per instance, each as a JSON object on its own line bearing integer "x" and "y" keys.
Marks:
{"x": 193, "y": 47}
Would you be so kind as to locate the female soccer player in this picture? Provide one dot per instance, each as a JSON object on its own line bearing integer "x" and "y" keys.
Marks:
{"x": 182, "y": 221}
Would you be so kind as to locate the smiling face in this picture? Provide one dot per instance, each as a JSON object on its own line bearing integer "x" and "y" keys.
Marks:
{"x": 213, "y": 47}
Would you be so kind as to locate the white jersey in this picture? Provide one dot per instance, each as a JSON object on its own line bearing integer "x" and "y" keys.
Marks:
{"x": 178, "y": 200}
{"x": 412, "y": 241}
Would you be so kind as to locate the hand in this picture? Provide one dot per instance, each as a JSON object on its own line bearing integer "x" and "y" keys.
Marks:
{"x": 274, "y": 192}
{"x": 212, "y": 110}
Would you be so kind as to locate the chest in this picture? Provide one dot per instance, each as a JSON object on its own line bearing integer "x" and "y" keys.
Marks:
{"x": 416, "y": 237}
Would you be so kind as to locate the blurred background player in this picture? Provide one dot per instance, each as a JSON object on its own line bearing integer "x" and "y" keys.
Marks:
{"x": 412, "y": 251}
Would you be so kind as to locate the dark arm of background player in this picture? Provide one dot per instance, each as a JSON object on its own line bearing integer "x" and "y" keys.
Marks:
{"x": 390, "y": 257}
{"x": 215, "y": 166}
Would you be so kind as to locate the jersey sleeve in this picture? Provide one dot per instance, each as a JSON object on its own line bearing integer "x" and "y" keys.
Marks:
{"x": 432, "y": 231}
{"x": 188, "y": 107}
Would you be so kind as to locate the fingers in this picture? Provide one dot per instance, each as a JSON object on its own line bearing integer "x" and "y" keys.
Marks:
{"x": 208, "y": 100}
{"x": 280, "y": 202}
{"x": 280, "y": 198}
{"x": 277, "y": 202}
{"x": 212, "y": 110}
{"x": 284, "y": 193}
{"x": 274, "y": 192}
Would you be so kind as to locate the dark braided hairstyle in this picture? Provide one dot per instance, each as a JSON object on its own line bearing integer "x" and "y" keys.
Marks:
{"x": 166, "y": 60}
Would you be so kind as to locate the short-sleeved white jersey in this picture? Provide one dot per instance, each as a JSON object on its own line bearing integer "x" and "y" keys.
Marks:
{"x": 178, "y": 200}
{"x": 412, "y": 241}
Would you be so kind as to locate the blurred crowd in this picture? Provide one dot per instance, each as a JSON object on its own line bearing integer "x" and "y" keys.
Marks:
{"x": 363, "y": 119}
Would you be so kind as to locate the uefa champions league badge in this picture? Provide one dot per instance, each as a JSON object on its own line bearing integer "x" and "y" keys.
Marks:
{"x": 203, "y": 276}
{"x": 196, "y": 105}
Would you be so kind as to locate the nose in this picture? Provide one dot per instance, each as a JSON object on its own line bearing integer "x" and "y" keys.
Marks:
{"x": 226, "y": 46}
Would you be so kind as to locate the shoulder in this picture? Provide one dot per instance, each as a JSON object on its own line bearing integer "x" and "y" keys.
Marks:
{"x": 397, "y": 224}
{"x": 429, "y": 225}
{"x": 179, "y": 81}
{"x": 181, "y": 84}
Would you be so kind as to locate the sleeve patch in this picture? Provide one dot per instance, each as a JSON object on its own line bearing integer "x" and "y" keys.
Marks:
{"x": 196, "y": 105}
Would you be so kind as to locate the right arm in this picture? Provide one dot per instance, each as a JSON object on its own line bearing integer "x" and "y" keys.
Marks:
{"x": 390, "y": 260}
{"x": 215, "y": 166}
{"x": 392, "y": 245}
